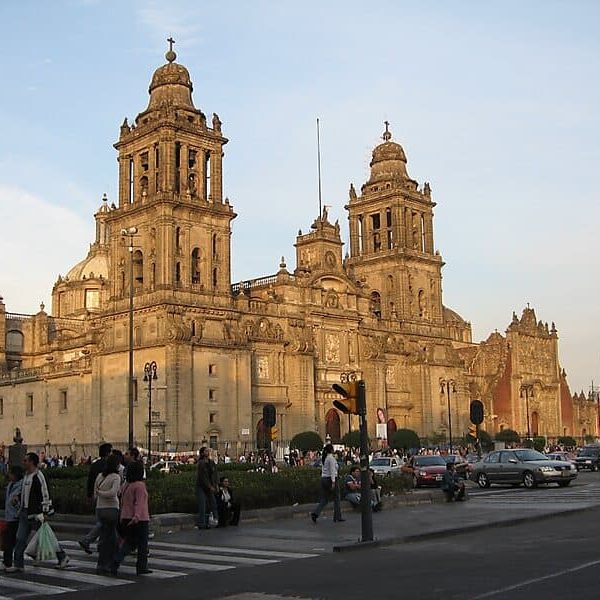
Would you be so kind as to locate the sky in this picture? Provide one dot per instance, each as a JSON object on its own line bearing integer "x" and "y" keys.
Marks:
{"x": 495, "y": 104}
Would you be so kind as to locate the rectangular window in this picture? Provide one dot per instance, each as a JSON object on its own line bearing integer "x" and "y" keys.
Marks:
{"x": 212, "y": 417}
{"x": 212, "y": 370}
{"x": 212, "y": 395}
{"x": 135, "y": 391}
{"x": 92, "y": 299}
{"x": 375, "y": 221}
{"x": 63, "y": 401}
{"x": 213, "y": 442}
{"x": 1, "y": 407}
{"x": 29, "y": 405}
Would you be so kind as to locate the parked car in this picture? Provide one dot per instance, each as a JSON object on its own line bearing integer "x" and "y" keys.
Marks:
{"x": 588, "y": 458}
{"x": 560, "y": 455}
{"x": 426, "y": 470}
{"x": 166, "y": 466}
{"x": 385, "y": 465}
{"x": 522, "y": 466}
{"x": 460, "y": 464}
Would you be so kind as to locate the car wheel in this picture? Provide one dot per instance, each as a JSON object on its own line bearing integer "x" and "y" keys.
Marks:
{"x": 564, "y": 483}
{"x": 529, "y": 480}
{"x": 483, "y": 481}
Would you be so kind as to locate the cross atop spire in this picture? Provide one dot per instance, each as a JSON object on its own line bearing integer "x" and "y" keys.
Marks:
{"x": 170, "y": 55}
{"x": 387, "y": 134}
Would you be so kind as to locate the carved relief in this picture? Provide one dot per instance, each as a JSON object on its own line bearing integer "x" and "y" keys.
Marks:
{"x": 390, "y": 375}
{"x": 332, "y": 300}
{"x": 332, "y": 348}
{"x": 262, "y": 367}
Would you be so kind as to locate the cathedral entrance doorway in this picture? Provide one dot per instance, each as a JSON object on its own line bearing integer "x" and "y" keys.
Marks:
{"x": 262, "y": 440}
{"x": 391, "y": 429}
{"x": 332, "y": 425}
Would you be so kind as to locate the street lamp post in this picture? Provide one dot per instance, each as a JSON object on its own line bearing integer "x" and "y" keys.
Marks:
{"x": 526, "y": 391}
{"x": 449, "y": 387}
{"x": 130, "y": 233}
{"x": 149, "y": 375}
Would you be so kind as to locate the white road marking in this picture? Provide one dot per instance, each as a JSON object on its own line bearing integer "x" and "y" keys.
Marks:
{"x": 33, "y": 586}
{"x": 100, "y": 580}
{"x": 527, "y": 582}
{"x": 129, "y": 570}
{"x": 273, "y": 553}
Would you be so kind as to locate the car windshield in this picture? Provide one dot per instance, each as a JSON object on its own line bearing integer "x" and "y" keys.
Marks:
{"x": 430, "y": 461}
{"x": 453, "y": 458}
{"x": 380, "y": 462}
{"x": 529, "y": 455}
{"x": 589, "y": 452}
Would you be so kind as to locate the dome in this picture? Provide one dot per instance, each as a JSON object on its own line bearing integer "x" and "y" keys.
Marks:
{"x": 95, "y": 266}
{"x": 171, "y": 84}
{"x": 389, "y": 161}
{"x": 388, "y": 151}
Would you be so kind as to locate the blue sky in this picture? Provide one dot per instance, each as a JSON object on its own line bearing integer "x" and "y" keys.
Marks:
{"x": 495, "y": 103}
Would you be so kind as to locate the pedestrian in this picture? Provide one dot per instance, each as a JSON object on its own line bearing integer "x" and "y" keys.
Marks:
{"x": 135, "y": 519}
{"x": 352, "y": 487}
{"x": 106, "y": 490}
{"x": 329, "y": 486}
{"x": 96, "y": 468}
{"x": 204, "y": 489}
{"x": 12, "y": 506}
{"x": 35, "y": 502}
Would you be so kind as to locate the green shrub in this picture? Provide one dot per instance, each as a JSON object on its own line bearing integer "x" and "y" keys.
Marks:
{"x": 508, "y": 436}
{"x": 567, "y": 441}
{"x": 405, "y": 439}
{"x": 351, "y": 439}
{"x": 307, "y": 440}
{"x": 539, "y": 443}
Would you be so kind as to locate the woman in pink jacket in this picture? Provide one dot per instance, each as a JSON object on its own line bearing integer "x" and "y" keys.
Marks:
{"x": 135, "y": 518}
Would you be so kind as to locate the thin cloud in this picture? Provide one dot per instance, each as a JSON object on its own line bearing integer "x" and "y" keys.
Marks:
{"x": 175, "y": 19}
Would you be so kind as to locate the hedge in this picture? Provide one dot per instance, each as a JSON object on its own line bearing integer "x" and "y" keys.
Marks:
{"x": 176, "y": 492}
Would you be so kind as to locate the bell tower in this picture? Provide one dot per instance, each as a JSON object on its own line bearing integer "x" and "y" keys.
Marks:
{"x": 171, "y": 191}
{"x": 391, "y": 239}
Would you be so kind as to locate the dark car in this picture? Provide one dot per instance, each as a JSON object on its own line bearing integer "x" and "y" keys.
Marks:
{"x": 522, "y": 465}
{"x": 588, "y": 458}
{"x": 427, "y": 470}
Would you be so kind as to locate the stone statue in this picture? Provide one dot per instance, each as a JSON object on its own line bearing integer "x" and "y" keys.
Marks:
{"x": 16, "y": 452}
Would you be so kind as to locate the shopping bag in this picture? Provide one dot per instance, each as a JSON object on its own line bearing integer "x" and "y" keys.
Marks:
{"x": 31, "y": 549}
{"x": 47, "y": 544}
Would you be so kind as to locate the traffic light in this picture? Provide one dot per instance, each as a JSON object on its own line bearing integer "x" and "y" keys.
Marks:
{"x": 269, "y": 415}
{"x": 349, "y": 403}
{"x": 473, "y": 431}
{"x": 353, "y": 401}
{"x": 476, "y": 412}
{"x": 274, "y": 433}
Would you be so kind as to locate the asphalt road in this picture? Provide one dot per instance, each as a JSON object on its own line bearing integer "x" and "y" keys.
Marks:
{"x": 557, "y": 558}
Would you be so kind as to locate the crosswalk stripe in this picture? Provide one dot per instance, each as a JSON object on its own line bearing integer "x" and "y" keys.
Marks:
{"x": 129, "y": 570}
{"x": 34, "y": 586}
{"x": 153, "y": 560}
{"x": 78, "y": 576}
{"x": 226, "y": 550}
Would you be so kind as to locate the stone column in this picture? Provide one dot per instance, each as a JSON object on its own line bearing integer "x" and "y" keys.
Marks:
{"x": 123, "y": 180}
{"x": 151, "y": 172}
{"x": 183, "y": 169}
{"x": 429, "y": 233}
{"x": 216, "y": 173}
{"x": 354, "y": 241}
{"x": 201, "y": 170}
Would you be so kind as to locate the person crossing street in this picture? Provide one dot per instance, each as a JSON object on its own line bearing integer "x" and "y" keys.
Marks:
{"x": 329, "y": 486}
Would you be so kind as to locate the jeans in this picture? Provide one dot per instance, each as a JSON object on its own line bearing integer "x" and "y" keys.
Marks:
{"x": 9, "y": 540}
{"x": 92, "y": 534}
{"x": 327, "y": 491}
{"x": 135, "y": 536}
{"x": 206, "y": 500}
{"x": 24, "y": 529}
{"x": 107, "y": 544}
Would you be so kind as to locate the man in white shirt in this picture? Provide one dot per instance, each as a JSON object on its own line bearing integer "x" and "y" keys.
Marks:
{"x": 329, "y": 486}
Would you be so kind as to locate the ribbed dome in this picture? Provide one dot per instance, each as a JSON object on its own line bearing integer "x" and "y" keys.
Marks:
{"x": 388, "y": 151}
{"x": 171, "y": 84}
{"x": 95, "y": 266}
{"x": 389, "y": 160}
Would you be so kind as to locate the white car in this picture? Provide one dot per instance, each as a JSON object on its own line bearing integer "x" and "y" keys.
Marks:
{"x": 385, "y": 465}
{"x": 166, "y": 466}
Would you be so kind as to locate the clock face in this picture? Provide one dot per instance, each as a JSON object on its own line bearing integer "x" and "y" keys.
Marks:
{"x": 330, "y": 259}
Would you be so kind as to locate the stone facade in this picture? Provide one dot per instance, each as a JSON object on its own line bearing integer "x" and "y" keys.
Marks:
{"x": 225, "y": 350}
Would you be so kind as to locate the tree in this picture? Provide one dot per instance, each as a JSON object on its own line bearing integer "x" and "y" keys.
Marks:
{"x": 307, "y": 440}
{"x": 567, "y": 441}
{"x": 508, "y": 436}
{"x": 351, "y": 439}
{"x": 485, "y": 439}
{"x": 539, "y": 443}
{"x": 405, "y": 439}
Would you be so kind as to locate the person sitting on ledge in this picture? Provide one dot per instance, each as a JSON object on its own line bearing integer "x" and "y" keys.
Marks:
{"x": 228, "y": 508}
{"x": 452, "y": 486}
{"x": 352, "y": 487}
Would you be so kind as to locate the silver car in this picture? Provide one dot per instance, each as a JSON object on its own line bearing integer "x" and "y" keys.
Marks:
{"x": 522, "y": 465}
{"x": 386, "y": 465}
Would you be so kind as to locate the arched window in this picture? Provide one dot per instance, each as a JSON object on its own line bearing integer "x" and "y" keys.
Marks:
{"x": 177, "y": 239}
{"x": 376, "y": 304}
{"x": 178, "y": 272}
{"x": 361, "y": 240}
{"x": 195, "y": 270}
{"x": 214, "y": 246}
{"x": 332, "y": 425}
{"x": 14, "y": 341}
{"x": 138, "y": 268}
{"x": 207, "y": 186}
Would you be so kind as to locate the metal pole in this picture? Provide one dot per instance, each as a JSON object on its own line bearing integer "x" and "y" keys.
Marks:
{"x": 449, "y": 417}
{"x": 527, "y": 409}
{"x": 365, "y": 483}
{"x": 130, "y": 380}
{"x": 150, "y": 419}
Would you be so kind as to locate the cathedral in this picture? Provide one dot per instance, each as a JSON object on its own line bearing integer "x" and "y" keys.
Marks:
{"x": 224, "y": 350}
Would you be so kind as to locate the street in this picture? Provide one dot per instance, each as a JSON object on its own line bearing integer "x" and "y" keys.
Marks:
{"x": 544, "y": 555}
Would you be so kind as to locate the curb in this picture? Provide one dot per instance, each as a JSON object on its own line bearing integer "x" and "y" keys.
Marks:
{"x": 411, "y": 539}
